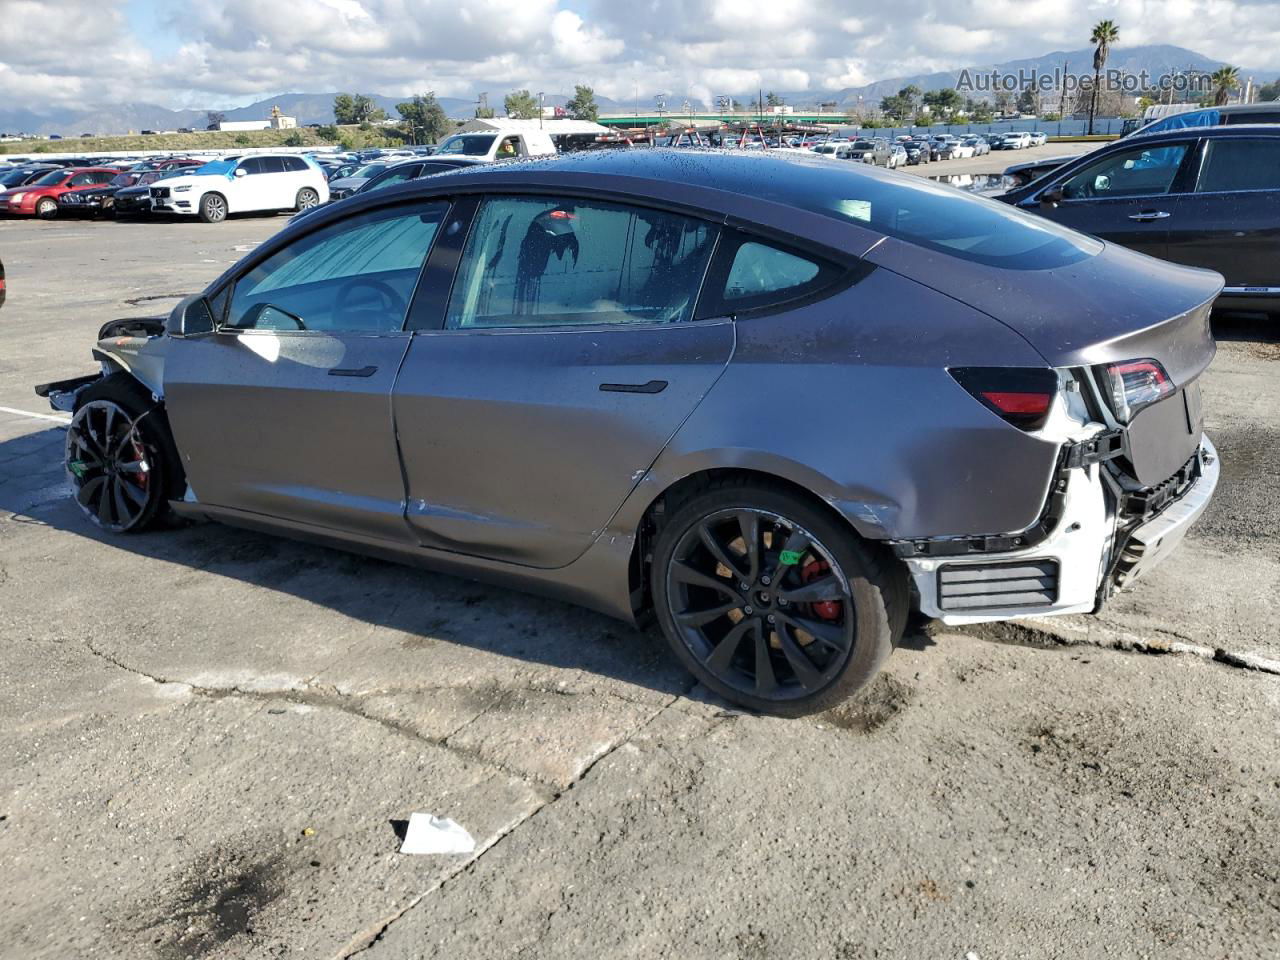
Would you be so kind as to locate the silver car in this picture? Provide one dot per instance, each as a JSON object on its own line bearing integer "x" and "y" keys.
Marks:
{"x": 680, "y": 382}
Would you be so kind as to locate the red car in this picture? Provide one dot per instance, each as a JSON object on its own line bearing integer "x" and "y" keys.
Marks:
{"x": 40, "y": 197}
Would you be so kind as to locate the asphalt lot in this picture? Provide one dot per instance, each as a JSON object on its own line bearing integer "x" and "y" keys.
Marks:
{"x": 209, "y": 736}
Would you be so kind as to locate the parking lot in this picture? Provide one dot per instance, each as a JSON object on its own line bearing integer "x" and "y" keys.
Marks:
{"x": 212, "y": 737}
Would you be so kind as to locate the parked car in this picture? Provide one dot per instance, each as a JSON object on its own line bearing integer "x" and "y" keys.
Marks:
{"x": 588, "y": 420}
{"x": 40, "y": 197}
{"x": 258, "y": 182}
{"x": 979, "y": 144}
{"x": 135, "y": 201}
{"x": 1016, "y": 140}
{"x": 955, "y": 150}
{"x": 22, "y": 175}
{"x": 1023, "y": 173}
{"x": 1202, "y": 196}
{"x": 897, "y": 156}
{"x": 917, "y": 152}
{"x": 875, "y": 151}
{"x": 1038, "y": 138}
{"x": 97, "y": 200}
{"x": 344, "y": 186}
{"x": 397, "y": 173}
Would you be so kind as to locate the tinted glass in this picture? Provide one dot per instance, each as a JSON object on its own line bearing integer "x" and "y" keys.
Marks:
{"x": 81, "y": 180}
{"x": 253, "y": 165}
{"x": 356, "y": 275}
{"x": 468, "y": 144}
{"x": 759, "y": 269}
{"x": 392, "y": 177}
{"x": 543, "y": 262}
{"x": 272, "y": 164}
{"x": 1240, "y": 165}
{"x": 51, "y": 179}
{"x": 295, "y": 164}
{"x": 1128, "y": 173}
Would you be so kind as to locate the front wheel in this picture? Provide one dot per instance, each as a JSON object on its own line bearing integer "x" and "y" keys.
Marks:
{"x": 306, "y": 199}
{"x": 213, "y": 208}
{"x": 47, "y": 208}
{"x": 120, "y": 456}
{"x": 771, "y": 602}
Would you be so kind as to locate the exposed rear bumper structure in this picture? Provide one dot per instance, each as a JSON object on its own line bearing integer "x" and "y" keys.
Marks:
{"x": 1091, "y": 553}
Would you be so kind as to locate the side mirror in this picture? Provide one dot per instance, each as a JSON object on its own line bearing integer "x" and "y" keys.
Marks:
{"x": 191, "y": 317}
{"x": 240, "y": 171}
{"x": 1050, "y": 199}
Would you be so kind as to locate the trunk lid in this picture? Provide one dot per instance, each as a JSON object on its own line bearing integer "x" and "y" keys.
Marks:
{"x": 1115, "y": 306}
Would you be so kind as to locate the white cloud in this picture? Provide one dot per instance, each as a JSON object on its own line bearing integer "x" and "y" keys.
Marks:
{"x": 234, "y": 51}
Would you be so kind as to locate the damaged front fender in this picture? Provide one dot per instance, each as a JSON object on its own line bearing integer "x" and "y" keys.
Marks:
{"x": 133, "y": 345}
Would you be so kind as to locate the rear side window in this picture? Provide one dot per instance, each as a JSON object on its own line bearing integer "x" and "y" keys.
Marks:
{"x": 295, "y": 164}
{"x": 532, "y": 262}
{"x": 751, "y": 273}
{"x": 1231, "y": 165}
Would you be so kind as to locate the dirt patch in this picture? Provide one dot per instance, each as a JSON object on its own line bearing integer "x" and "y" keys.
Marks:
{"x": 877, "y": 705}
{"x": 216, "y": 901}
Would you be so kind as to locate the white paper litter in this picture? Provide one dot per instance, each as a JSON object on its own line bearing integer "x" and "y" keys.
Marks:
{"x": 428, "y": 833}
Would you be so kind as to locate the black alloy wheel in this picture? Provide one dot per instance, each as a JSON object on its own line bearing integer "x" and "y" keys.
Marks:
{"x": 772, "y": 604}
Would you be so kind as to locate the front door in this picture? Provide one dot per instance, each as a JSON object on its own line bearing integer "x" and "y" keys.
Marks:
{"x": 1126, "y": 197}
{"x": 285, "y": 410}
{"x": 567, "y": 360}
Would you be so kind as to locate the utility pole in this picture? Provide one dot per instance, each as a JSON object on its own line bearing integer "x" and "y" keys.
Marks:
{"x": 1062, "y": 107}
{"x": 541, "y": 108}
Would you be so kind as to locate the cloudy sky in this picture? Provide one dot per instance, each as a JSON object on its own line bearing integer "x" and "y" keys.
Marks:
{"x": 225, "y": 53}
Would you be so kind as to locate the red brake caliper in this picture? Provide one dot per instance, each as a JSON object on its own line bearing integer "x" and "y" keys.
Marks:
{"x": 823, "y": 609}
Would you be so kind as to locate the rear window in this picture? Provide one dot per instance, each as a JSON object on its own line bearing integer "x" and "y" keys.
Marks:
{"x": 468, "y": 144}
{"x": 944, "y": 219}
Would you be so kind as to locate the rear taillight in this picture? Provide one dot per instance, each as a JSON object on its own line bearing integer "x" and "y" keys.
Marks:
{"x": 1021, "y": 396}
{"x": 1134, "y": 384}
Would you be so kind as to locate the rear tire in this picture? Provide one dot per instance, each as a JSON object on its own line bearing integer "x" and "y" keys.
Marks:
{"x": 213, "y": 208}
{"x": 804, "y": 624}
{"x": 46, "y": 208}
{"x": 120, "y": 456}
{"x": 306, "y": 199}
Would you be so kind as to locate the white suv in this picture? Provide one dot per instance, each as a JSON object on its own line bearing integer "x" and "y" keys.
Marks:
{"x": 240, "y": 184}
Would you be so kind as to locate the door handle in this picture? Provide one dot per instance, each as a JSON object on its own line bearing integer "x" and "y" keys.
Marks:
{"x": 353, "y": 371}
{"x": 1146, "y": 215}
{"x": 653, "y": 386}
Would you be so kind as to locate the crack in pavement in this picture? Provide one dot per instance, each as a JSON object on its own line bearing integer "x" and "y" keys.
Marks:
{"x": 1040, "y": 635}
{"x": 368, "y": 938}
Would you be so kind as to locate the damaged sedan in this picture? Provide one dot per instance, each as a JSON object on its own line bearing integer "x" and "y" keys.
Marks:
{"x": 775, "y": 403}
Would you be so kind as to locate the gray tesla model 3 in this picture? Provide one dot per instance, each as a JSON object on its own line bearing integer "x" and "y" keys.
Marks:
{"x": 778, "y": 401}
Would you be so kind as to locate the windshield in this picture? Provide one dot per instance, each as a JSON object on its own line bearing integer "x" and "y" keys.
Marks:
{"x": 51, "y": 179}
{"x": 123, "y": 179}
{"x": 864, "y": 145}
{"x": 468, "y": 144}
{"x": 15, "y": 178}
{"x": 369, "y": 170}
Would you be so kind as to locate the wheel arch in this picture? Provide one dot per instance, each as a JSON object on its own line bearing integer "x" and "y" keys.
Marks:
{"x": 859, "y": 519}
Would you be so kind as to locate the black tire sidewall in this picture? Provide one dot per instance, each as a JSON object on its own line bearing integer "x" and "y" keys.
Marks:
{"x": 162, "y": 455}
{"x": 873, "y": 637}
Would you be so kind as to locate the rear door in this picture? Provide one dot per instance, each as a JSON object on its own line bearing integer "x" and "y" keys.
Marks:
{"x": 1230, "y": 222}
{"x": 564, "y": 361}
{"x": 1126, "y": 197}
{"x": 284, "y": 411}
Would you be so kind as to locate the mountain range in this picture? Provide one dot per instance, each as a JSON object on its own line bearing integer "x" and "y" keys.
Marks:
{"x": 109, "y": 118}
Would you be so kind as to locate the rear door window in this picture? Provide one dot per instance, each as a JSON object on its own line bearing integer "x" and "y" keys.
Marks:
{"x": 542, "y": 261}
{"x": 1233, "y": 165}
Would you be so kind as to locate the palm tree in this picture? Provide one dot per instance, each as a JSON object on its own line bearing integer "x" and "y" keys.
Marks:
{"x": 1225, "y": 79}
{"x": 1105, "y": 33}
